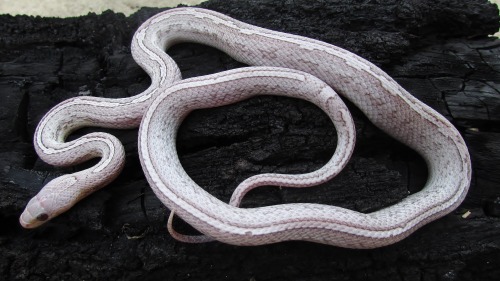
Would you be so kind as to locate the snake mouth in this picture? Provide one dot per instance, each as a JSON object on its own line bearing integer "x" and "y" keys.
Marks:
{"x": 26, "y": 220}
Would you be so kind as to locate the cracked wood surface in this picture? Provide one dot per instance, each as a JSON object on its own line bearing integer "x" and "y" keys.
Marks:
{"x": 439, "y": 52}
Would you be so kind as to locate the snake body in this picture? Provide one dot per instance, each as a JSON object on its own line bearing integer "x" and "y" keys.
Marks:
{"x": 382, "y": 100}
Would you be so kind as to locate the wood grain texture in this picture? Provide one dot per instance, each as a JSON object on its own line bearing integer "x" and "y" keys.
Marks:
{"x": 439, "y": 53}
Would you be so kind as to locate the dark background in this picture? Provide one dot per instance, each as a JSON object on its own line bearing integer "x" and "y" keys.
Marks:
{"x": 438, "y": 50}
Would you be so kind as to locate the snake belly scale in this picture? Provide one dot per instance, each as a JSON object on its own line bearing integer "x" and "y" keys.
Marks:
{"x": 386, "y": 104}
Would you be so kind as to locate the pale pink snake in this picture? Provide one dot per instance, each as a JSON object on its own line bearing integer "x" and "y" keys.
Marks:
{"x": 166, "y": 102}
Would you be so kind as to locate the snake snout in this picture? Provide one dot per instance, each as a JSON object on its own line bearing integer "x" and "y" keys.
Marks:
{"x": 34, "y": 214}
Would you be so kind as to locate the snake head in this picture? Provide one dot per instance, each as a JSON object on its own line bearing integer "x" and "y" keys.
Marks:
{"x": 52, "y": 200}
{"x": 36, "y": 213}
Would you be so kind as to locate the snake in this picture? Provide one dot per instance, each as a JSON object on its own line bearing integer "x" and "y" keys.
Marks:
{"x": 279, "y": 64}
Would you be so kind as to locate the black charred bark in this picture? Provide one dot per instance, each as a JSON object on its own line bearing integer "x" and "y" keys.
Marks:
{"x": 438, "y": 50}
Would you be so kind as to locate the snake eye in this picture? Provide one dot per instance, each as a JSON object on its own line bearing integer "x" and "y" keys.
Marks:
{"x": 42, "y": 217}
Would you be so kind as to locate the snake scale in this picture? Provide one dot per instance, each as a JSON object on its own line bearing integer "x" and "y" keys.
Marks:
{"x": 282, "y": 64}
